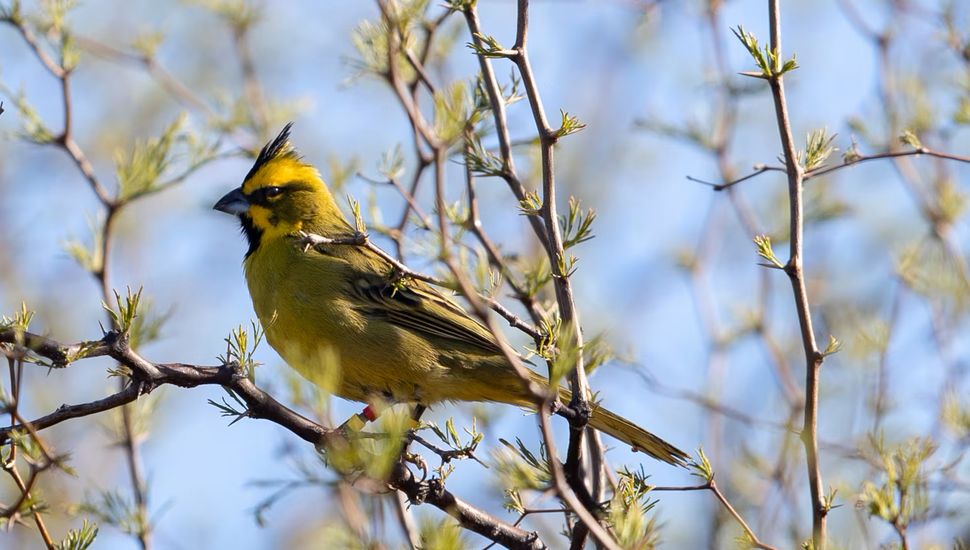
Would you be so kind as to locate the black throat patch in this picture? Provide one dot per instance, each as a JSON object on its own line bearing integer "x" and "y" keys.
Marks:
{"x": 253, "y": 233}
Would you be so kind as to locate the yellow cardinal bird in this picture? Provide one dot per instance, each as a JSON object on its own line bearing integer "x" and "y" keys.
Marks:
{"x": 339, "y": 307}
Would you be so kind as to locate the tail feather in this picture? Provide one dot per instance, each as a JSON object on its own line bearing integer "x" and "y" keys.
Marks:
{"x": 641, "y": 440}
{"x": 615, "y": 425}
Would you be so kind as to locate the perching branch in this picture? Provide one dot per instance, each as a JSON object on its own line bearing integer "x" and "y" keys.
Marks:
{"x": 148, "y": 376}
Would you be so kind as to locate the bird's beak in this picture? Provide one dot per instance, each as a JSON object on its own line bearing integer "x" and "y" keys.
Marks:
{"x": 233, "y": 203}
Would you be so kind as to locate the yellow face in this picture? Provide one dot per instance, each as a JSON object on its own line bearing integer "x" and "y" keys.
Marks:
{"x": 277, "y": 198}
{"x": 281, "y": 196}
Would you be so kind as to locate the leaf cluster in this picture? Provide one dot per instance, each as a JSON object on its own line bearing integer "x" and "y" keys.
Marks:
{"x": 112, "y": 508}
{"x": 241, "y": 347}
{"x": 629, "y": 511}
{"x": 766, "y": 58}
{"x": 902, "y": 496}
{"x": 79, "y": 539}
{"x": 518, "y": 468}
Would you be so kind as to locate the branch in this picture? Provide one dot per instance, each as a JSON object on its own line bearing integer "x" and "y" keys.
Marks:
{"x": 52, "y": 66}
{"x": 563, "y": 286}
{"x": 147, "y": 376}
{"x": 813, "y": 357}
{"x": 433, "y": 492}
{"x": 712, "y": 487}
{"x": 892, "y": 154}
{"x": 497, "y": 104}
{"x": 169, "y": 83}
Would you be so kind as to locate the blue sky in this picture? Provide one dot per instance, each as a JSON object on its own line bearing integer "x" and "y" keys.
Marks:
{"x": 593, "y": 59}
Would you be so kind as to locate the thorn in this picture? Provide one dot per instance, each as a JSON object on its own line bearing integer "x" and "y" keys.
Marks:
{"x": 753, "y": 74}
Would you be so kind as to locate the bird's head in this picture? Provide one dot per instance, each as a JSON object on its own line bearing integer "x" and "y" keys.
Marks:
{"x": 281, "y": 195}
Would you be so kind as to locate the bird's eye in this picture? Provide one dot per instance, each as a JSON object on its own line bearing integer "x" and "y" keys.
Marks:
{"x": 272, "y": 192}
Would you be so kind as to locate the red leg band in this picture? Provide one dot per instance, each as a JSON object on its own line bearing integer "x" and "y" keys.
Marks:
{"x": 369, "y": 413}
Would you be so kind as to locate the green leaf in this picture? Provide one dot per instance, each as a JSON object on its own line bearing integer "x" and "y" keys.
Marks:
{"x": 902, "y": 495}
{"x": 950, "y": 201}
{"x": 518, "y": 468}
{"x": 140, "y": 170}
{"x": 818, "y": 148}
{"x": 451, "y": 111}
{"x": 33, "y": 128}
{"x": 240, "y": 15}
{"x": 576, "y": 225}
{"x": 480, "y": 160}
{"x": 391, "y": 165}
{"x": 20, "y": 321}
{"x": 702, "y": 467}
{"x": 240, "y": 348}
{"x": 955, "y": 414}
{"x": 750, "y": 43}
{"x": 79, "y": 539}
{"x": 763, "y": 243}
{"x": 833, "y": 346}
{"x": 789, "y": 65}
{"x": 908, "y": 137}
{"x": 488, "y": 46}
{"x": 765, "y": 58}
{"x": 569, "y": 125}
{"x": 359, "y": 226}
{"x": 113, "y": 508}
{"x": 123, "y": 315}
{"x": 443, "y": 534}
{"x": 962, "y": 113}
{"x": 462, "y": 5}
{"x": 146, "y": 43}
{"x": 629, "y": 509}
{"x": 531, "y": 204}
{"x": 90, "y": 258}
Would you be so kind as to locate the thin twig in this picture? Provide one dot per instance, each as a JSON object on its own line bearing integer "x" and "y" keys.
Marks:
{"x": 808, "y": 175}
{"x": 52, "y": 66}
{"x": 712, "y": 486}
{"x": 182, "y": 93}
{"x": 813, "y": 357}
{"x": 555, "y": 250}
{"x": 497, "y": 103}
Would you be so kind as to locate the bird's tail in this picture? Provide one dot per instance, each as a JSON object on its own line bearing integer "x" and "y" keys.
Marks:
{"x": 615, "y": 425}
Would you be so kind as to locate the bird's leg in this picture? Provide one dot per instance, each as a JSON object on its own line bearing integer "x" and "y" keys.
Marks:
{"x": 357, "y": 422}
{"x": 417, "y": 411}
{"x": 415, "y": 459}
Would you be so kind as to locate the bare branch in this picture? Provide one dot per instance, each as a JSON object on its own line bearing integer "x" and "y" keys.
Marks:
{"x": 813, "y": 357}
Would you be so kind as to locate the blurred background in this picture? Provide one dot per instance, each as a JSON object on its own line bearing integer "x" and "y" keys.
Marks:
{"x": 707, "y": 343}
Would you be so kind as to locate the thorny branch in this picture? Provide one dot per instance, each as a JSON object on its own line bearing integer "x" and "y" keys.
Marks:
{"x": 568, "y": 313}
{"x": 12, "y": 512}
{"x": 67, "y": 142}
{"x": 147, "y": 376}
{"x": 573, "y": 478}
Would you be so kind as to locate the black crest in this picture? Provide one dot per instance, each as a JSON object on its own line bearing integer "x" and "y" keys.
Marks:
{"x": 274, "y": 149}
